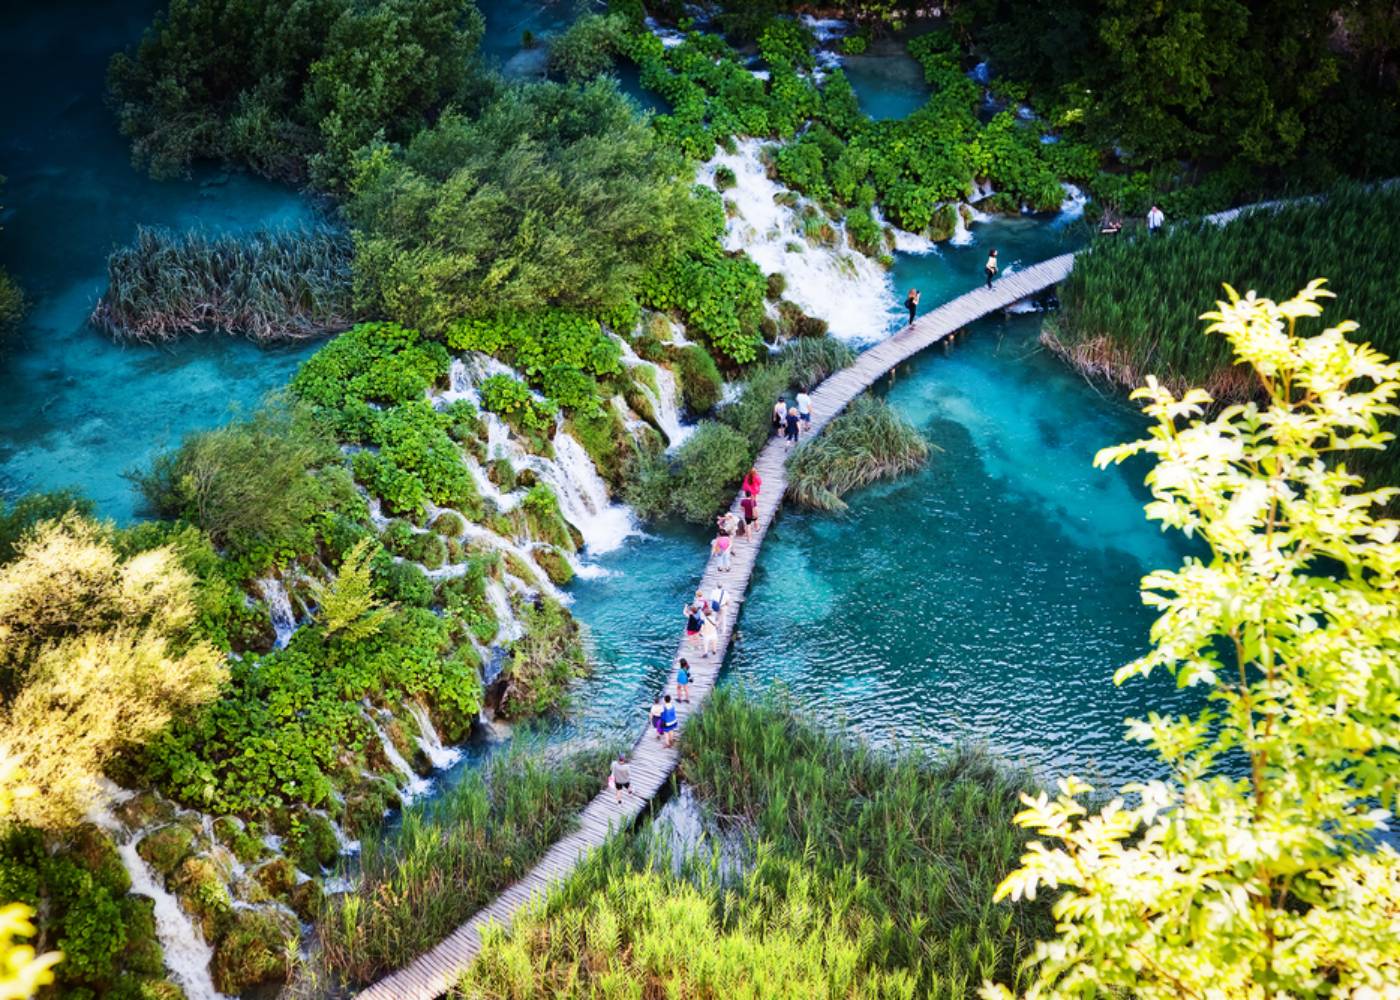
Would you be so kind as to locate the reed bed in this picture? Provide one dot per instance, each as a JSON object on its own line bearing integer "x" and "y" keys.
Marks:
{"x": 867, "y": 443}
{"x": 266, "y": 285}
{"x": 872, "y": 876}
{"x": 450, "y": 857}
{"x": 811, "y": 360}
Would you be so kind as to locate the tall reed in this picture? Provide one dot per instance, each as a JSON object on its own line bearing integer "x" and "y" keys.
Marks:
{"x": 866, "y": 443}
{"x": 266, "y": 285}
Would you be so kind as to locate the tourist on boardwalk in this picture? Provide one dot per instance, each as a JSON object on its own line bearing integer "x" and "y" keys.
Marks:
{"x": 741, "y": 528}
{"x": 668, "y": 721}
{"x": 728, "y": 523}
{"x": 718, "y": 598}
{"x": 683, "y": 682}
{"x": 991, "y": 267}
{"x": 1155, "y": 218}
{"x": 779, "y": 415}
{"x": 720, "y": 548}
{"x": 804, "y": 409}
{"x": 621, "y": 777}
{"x": 753, "y": 482}
{"x": 694, "y": 621}
{"x": 750, "y": 508}
{"x": 792, "y": 422}
{"x": 709, "y": 632}
{"x": 656, "y": 709}
{"x": 911, "y": 302}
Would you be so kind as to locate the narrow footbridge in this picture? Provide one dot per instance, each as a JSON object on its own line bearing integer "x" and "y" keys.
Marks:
{"x": 434, "y": 973}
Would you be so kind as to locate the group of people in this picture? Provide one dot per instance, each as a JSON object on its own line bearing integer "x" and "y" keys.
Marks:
{"x": 1156, "y": 218}
{"x": 790, "y": 420}
{"x": 911, "y": 301}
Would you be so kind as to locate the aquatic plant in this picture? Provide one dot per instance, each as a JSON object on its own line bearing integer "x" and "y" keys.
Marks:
{"x": 266, "y": 285}
{"x": 811, "y": 360}
{"x": 866, "y": 443}
{"x": 1258, "y": 866}
{"x": 448, "y": 858}
{"x": 701, "y": 384}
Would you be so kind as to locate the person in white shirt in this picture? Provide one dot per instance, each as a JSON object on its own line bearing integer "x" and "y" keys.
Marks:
{"x": 1155, "y": 218}
{"x": 804, "y": 409}
{"x": 990, "y": 268}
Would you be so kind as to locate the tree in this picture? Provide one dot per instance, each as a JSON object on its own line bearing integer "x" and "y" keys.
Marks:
{"x": 95, "y": 657}
{"x": 347, "y": 604}
{"x": 1255, "y": 871}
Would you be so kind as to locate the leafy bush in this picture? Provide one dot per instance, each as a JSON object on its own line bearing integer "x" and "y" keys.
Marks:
{"x": 291, "y": 94}
{"x": 589, "y": 47}
{"x": 512, "y": 400}
{"x": 701, "y": 384}
{"x": 751, "y": 411}
{"x": 707, "y": 469}
{"x": 416, "y": 462}
{"x": 812, "y": 360}
{"x": 381, "y": 363}
{"x": 720, "y": 298}
{"x": 266, "y": 285}
{"x": 19, "y": 516}
{"x": 543, "y": 662}
{"x": 724, "y": 178}
{"x": 866, "y": 443}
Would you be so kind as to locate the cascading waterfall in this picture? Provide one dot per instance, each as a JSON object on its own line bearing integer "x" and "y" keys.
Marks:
{"x": 279, "y": 607}
{"x": 509, "y": 627}
{"x": 665, "y": 402}
{"x": 413, "y": 786}
{"x": 583, "y": 496}
{"x": 838, "y": 284}
{"x": 441, "y": 757}
{"x": 187, "y": 954}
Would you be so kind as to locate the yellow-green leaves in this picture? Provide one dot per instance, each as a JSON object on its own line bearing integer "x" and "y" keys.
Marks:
{"x": 1255, "y": 871}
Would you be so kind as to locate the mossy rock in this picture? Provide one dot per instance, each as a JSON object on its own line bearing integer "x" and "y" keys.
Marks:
{"x": 944, "y": 223}
{"x": 431, "y": 551}
{"x": 252, "y": 950}
{"x": 247, "y": 889}
{"x": 502, "y": 473}
{"x": 199, "y": 886}
{"x": 366, "y": 804}
{"x": 308, "y": 899}
{"x": 450, "y": 524}
{"x": 521, "y": 570}
{"x": 456, "y": 552}
{"x": 143, "y": 810}
{"x": 233, "y": 834}
{"x": 776, "y": 286}
{"x": 137, "y": 987}
{"x": 278, "y": 877}
{"x": 555, "y": 566}
{"x": 94, "y": 849}
{"x": 314, "y": 846}
{"x": 143, "y": 953}
{"x": 164, "y": 849}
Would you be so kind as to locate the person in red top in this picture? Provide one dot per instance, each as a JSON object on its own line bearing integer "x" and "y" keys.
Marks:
{"x": 752, "y": 483}
{"x": 750, "y": 508}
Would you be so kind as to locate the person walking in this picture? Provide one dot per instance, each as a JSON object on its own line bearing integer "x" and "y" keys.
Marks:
{"x": 792, "y": 422}
{"x": 1155, "y": 218}
{"x": 749, "y": 506}
{"x": 683, "y": 682}
{"x": 668, "y": 721}
{"x": 709, "y": 633}
{"x": 718, "y": 598}
{"x": 694, "y": 620}
{"x": 804, "y": 409}
{"x": 728, "y": 523}
{"x": 779, "y": 415}
{"x": 911, "y": 302}
{"x": 621, "y": 777}
{"x": 990, "y": 267}
{"x": 720, "y": 547}
{"x": 753, "y": 482}
{"x": 656, "y": 709}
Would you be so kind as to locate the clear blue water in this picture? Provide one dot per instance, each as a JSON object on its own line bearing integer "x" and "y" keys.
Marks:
{"x": 76, "y": 409}
{"x": 887, "y": 81}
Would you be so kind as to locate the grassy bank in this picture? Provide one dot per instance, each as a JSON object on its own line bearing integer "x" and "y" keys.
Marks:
{"x": 866, "y": 443}
{"x": 872, "y": 875}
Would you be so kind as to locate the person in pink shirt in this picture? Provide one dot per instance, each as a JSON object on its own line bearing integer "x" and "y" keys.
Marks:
{"x": 752, "y": 483}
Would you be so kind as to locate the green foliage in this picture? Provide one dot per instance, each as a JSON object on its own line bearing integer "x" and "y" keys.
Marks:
{"x": 416, "y": 462}
{"x": 380, "y": 363}
{"x": 719, "y": 297}
{"x": 752, "y": 409}
{"x": 290, "y": 93}
{"x": 701, "y": 384}
{"x": 546, "y": 522}
{"x": 554, "y": 195}
{"x": 513, "y": 401}
{"x": 346, "y": 605}
{"x": 866, "y": 443}
{"x": 1269, "y": 830}
{"x": 810, "y": 361}
{"x": 447, "y": 859}
{"x": 706, "y": 471}
{"x": 589, "y": 47}
{"x": 19, "y": 516}
{"x": 543, "y": 662}
{"x": 265, "y": 285}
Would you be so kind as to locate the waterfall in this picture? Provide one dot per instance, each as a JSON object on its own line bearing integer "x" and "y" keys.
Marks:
{"x": 665, "y": 404}
{"x": 583, "y": 496}
{"x": 441, "y": 757}
{"x": 279, "y": 608}
{"x": 414, "y": 785}
{"x": 509, "y": 628}
{"x": 838, "y": 284}
{"x": 1072, "y": 207}
{"x": 187, "y": 954}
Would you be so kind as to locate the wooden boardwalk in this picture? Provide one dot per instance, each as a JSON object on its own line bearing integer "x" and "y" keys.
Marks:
{"x": 432, "y": 974}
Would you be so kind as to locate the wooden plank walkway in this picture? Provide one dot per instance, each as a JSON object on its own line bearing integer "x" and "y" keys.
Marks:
{"x": 432, "y": 974}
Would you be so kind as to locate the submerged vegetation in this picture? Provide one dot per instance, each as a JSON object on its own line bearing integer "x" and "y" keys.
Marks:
{"x": 269, "y": 285}
{"x": 866, "y": 443}
{"x": 869, "y": 875}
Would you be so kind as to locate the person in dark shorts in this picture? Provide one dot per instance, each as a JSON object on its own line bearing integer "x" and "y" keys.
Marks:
{"x": 621, "y": 777}
{"x": 669, "y": 722}
{"x": 683, "y": 682}
{"x": 656, "y": 710}
{"x": 912, "y": 303}
{"x": 990, "y": 267}
{"x": 750, "y": 508}
{"x": 793, "y": 419}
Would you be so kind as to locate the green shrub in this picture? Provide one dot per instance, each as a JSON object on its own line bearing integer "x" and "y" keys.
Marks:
{"x": 812, "y": 360}
{"x": 449, "y": 525}
{"x": 751, "y": 412}
{"x": 554, "y": 563}
{"x": 21, "y": 514}
{"x": 724, "y": 178}
{"x": 402, "y": 583}
{"x": 866, "y": 443}
{"x": 855, "y": 45}
{"x": 701, "y": 384}
{"x": 708, "y": 468}
{"x": 589, "y": 47}
{"x": 777, "y": 284}
{"x": 543, "y": 662}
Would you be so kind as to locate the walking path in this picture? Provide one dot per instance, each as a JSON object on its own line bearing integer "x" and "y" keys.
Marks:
{"x": 432, "y": 974}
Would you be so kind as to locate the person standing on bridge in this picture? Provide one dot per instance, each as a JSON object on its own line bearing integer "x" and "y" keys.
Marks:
{"x": 792, "y": 422}
{"x": 656, "y": 709}
{"x": 668, "y": 721}
{"x": 753, "y": 482}
{"x": 709, "y": 632}
{"x": 749, "y": 505}
{"x": 804, "y": 409}
{"x": 621, "y": 777}
{"x": 683, "y": 682}
{"x": 1155, "y": 218}
{"x": 720, "y": 549}
{"x": 694, "y": 621}
{"x": 779, "y": 415}
{"x": 911, "y": 302}
{"x": 990, "y": 267}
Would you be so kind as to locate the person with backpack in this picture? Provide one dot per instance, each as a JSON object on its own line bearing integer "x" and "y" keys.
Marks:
{"x": 694, "y": 620}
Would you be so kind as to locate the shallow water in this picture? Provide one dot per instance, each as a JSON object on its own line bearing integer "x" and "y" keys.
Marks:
{"x": 76, "y": 409}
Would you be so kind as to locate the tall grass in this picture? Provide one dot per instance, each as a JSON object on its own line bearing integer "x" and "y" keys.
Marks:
{"x": 1131, "y": 305}
{"x": 450, "y": 857}
{"x": 813, "y": 359}
{"x": 866, "y": 443}
{"x": 873, "y": 876}
{"x": 266, "y": 285}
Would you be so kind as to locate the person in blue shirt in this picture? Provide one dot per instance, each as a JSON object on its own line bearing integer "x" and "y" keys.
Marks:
{"x": 683, "y": 682}
{"x": 669, "y": 723}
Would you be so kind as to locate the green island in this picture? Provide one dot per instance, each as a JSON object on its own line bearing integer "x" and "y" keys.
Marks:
{"x": 377, "y": 371}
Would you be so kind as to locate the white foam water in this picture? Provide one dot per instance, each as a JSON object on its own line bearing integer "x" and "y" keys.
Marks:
{"x": 441, "y": 757}
{"x": 279, "y": 608}
{"x": 413, "y": 785}
{"x": 826, "y": 29}
{"x": 665, "y": 402}
{"x": 187, "y": 954}
{"x": 583, "y": 496}
{"x": 838, "y": 284}
{"x": 509, "y": 627}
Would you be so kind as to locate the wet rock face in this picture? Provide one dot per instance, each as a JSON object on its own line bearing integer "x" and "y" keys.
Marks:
{"x": 253, "y": 950}
{"x": 165, "y": 848}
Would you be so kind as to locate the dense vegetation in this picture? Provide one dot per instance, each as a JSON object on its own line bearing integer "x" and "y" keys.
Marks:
{"x": 271, "y": 285}
{"x": 869, "y": 875}
{"x": 292, "y": 91}
{"x": 866, "y": 443}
